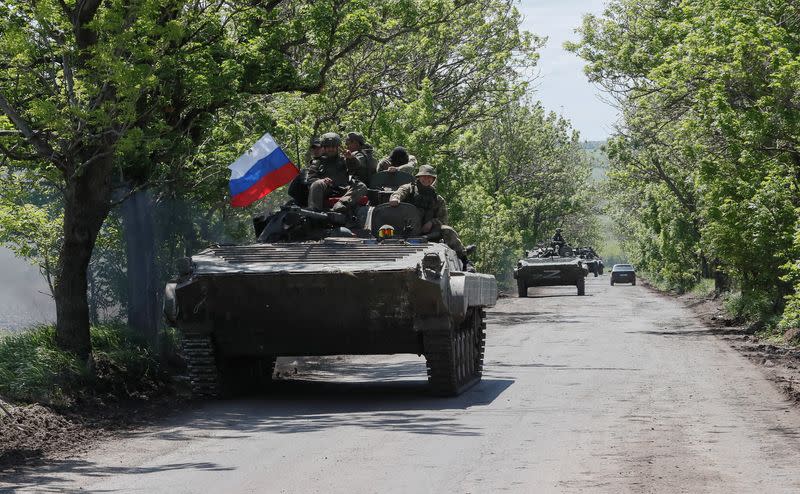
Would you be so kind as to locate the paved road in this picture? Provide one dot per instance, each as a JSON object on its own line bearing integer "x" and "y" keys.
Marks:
{"x": 618, "y": 391}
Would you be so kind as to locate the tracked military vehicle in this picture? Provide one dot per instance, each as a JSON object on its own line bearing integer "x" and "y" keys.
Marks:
{"x": 551, "y": 266}
{"x": 592, "y": 261}
{"x": 312, "y": 287}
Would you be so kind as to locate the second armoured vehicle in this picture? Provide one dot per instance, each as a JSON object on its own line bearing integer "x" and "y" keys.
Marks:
{"x": 310, "y": 287}
{"x": 592, "y": 261}
{"x": 550, "y": 267}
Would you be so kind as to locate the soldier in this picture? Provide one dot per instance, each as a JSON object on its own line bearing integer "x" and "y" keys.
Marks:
{"x": 432, "y": 210}
{"x": 328, "y": 175}
{"x": 398, "y": 160}
{"x": 314, "y": 149}
{"x": 360, "y": 160}
{"x": 559, "y": 243}
{"x": 298, "y": 188}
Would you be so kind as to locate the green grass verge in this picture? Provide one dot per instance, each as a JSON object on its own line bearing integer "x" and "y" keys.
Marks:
{"x": 703, "y": 288}
{"x": 34, "y": 370}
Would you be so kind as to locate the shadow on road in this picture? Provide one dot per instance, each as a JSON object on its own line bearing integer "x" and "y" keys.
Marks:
{"x": 292, "y": 406}
{"x": 298, "y": 406}
{"x": 49, "y": 477}
{"x": 556, "y": 295}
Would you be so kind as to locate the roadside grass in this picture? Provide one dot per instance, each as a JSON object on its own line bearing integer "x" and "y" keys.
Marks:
{"x": 703, "y": 288}
{"x": 34, "y": 370}
{"x": 757, "y": 311}
{"x": 655, "y": 281}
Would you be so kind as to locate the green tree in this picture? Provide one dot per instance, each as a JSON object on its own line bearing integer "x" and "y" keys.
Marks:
{"x": 101, "y": 94}
{"x": 710, "y": 97}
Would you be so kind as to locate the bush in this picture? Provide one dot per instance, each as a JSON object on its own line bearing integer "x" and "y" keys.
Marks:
{"x": 752, "y": 306}
{"x": 33, "y": 369}
{"x": 704, "y": 287}
{"x": 791, "y": 314}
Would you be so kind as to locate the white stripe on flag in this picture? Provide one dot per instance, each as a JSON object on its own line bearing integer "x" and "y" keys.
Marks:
{"x": 260, "y": 149}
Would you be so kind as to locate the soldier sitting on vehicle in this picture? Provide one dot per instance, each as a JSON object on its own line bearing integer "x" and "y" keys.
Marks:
{"x": 314, "y": 150}
{"x": 298, "y": 188}
{"x": 360, "y": 159}
{"x": 432, "y": 210}
{"x": 398, "y": 161}
{"x": 329, "y": 176}
{"x": 558, "y": 241}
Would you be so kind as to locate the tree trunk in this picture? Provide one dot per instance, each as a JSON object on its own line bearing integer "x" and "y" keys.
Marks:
{"x": 86, "y": 205}
{"x": 140, "y": 249}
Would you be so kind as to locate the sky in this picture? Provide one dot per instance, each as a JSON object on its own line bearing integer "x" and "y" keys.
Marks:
{"x": 561, "y": 85}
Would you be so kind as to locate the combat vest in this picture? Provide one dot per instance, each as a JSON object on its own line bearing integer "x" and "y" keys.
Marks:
{"x": 333, "y": 168}
{"x": 426, "y": 200}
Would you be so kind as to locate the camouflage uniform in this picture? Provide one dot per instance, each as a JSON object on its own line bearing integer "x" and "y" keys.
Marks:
{"x": 431, "y": 207}
{"x": 335, "y": 168}
{"x": 361, "y": 163}
{"x": 409, "y": 167}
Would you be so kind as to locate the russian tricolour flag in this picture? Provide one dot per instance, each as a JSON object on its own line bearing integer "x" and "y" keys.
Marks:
{"x": 259, "y": 171}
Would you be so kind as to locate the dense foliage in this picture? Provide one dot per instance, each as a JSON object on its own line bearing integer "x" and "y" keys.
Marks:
{"x": 706, "y": 163}
{"x": 34, "y": 370}
{"x": 145, "y": 103}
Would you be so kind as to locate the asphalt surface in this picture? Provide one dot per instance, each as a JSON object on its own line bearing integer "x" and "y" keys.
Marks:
{"x": 618, "y": 391}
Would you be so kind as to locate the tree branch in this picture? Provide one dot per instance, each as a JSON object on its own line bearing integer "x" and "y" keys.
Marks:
{"x": 40, "y": 145}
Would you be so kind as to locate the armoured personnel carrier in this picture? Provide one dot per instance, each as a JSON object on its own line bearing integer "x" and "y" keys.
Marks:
{"x": 592, "y": 261}
{"x": 552, "y": 266}
{"x": 311, "y": 287}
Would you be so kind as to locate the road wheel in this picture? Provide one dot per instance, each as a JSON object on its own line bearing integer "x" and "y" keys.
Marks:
{"x": 522, "y": 289}
{"x": 455, "y": 356}
{"x": 612, "y": 282}
{"x": 581, "y": 286}
{"x": 633, "y": 282}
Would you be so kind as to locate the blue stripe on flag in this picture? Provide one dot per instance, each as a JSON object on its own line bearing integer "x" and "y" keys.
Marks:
{"x": 268, "y": 164}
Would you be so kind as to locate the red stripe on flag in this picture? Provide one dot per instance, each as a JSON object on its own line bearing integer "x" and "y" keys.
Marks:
{"x": 265, "y": 185}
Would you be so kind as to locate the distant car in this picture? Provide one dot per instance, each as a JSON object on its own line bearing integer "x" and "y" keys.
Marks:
{"x": 623, "y": 273}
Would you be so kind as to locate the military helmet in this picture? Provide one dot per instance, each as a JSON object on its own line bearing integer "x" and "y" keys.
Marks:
{"x": 355, "y": 136}
{"x": 426, "y": 171}
{"x": 385, "y": 231}
{"x": 330, "y": 139}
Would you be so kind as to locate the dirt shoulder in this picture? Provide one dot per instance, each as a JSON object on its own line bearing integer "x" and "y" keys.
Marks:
{"x": 34, "y": 434}
{"x": 780, "y": 363}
